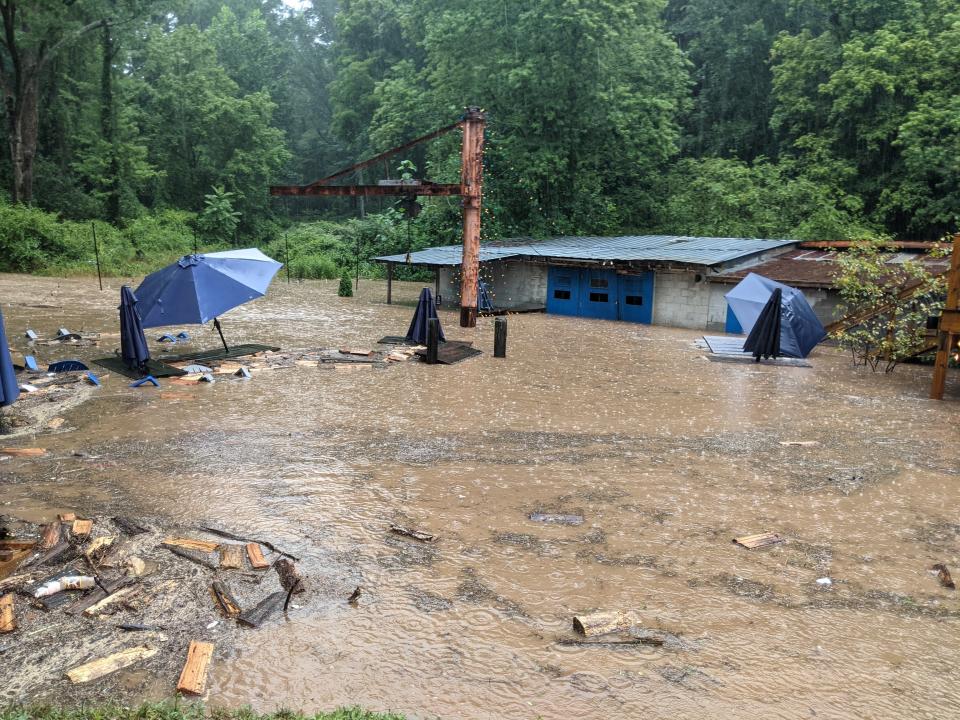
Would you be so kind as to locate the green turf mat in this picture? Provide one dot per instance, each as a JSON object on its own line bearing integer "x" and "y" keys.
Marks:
{"x": 154, "y": 367}
{"x": 218, "y": 354}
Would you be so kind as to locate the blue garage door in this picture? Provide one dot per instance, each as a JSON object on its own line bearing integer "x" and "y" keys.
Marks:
{"x": 598, "y": 294}
{"x": 636, "y": 297}
{"x": 563, "y": 291}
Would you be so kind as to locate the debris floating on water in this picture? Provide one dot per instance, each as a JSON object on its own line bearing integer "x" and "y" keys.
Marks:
{"x": 760, "y": 540}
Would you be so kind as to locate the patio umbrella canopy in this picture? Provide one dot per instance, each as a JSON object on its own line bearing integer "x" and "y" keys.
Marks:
{"x": 426, "y": 310}
{"x": 9, "y": 388}
{"x": 800, "y": 328}
{"x": 764, "y": 340}
{"x": 133, "y": 343}
{"x": 200, "y": 288}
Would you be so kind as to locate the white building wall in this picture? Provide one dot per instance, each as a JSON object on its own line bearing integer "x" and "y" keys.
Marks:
{"x": 512, "y": 284}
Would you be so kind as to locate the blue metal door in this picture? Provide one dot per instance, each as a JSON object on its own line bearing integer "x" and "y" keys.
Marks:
{"x": 598, "y": 294}
{"x": 636, "y": 297}
{"x": 563, "y": 291}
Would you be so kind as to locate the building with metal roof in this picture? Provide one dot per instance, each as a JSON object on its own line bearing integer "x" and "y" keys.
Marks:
{"x": 638, "y": 278}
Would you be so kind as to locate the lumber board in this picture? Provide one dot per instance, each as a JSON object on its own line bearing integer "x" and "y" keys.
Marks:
{"x": 415, "y": 534}
{"x": 67, "y": 517}
{"x": 81, "y": 527}
{"x": 255, "y": 555}
{"x": 231, "y": 556}
{"x": 601, "y": 623}
{"x": 110, "y": 663}
{"x": 194, "y": 556}
{"x": 23, "y": 452}
{"x": 190, "y": 544}
{"x": 96, "y": 595}
{"x": 758, "y": 540}
{"x": 255, "y": 616}
{"x": 8, "y": 621}
{"x": 111, "y": 600}
{"x": 225, "y": 599}
{"x": 193, "y": 677}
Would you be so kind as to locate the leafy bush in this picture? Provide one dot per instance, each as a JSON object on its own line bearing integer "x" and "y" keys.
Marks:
{"x": 346, "y": 287}
{"x": 313, "y": 267}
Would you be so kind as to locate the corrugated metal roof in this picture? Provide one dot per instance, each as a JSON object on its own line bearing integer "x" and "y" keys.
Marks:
{"x": 651, "y": 248}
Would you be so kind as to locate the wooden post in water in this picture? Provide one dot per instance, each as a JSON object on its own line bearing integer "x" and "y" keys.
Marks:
{"x": 471, "y": 189}
{"x": 433, "y": 340}
{"x": 389, "y": 283}
{"x": 949, "y": 324}
{"x": 286, "y": 251}
{"x": 436, "y": 286}
{"x": 96, "y": 253}
{"x": 500, "y": 337}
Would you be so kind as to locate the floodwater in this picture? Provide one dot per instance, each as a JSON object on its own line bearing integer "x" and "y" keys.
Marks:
{"x": 667, "y": 455}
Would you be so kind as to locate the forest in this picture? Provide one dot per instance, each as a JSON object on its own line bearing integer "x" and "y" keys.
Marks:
{"x": 161, "y": 123}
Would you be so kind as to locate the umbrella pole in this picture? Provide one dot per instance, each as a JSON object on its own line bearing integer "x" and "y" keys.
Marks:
{"x": 216, "y": 324}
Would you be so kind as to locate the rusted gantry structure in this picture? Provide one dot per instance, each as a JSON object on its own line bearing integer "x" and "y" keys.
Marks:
{"x": 949, "y": 327}
{"x": 470, "y": 189}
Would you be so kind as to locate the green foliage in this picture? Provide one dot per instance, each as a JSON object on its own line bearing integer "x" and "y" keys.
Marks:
{"x": 346, "y": 285}
{"x": 871, "y": 284}
{"x": 176, "y": 711}
{"x": 219, "y": 220}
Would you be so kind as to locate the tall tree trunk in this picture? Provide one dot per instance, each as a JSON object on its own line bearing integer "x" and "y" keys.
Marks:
{"x": 22, "y": 124}
{"x": 108, "y": 127}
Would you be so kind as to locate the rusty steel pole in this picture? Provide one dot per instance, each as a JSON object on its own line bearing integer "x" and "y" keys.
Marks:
{"x": 471, "y": 188}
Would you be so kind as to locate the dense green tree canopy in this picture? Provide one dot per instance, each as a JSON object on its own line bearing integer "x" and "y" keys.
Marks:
{"x": 790, "y": 118}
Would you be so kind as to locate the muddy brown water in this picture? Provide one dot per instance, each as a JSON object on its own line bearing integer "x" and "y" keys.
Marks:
{"x": 667, "y": 455}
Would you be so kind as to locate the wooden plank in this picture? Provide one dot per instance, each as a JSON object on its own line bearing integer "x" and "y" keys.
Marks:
{"x": 255, "y": 616}
{"x": 601, "y": 623}
{"x": 96, "y": 595}
{"x": 759, "y": 540}
{"x": 8, "y": 621}
{"x": 194, "y": 556}
{"x": 356, "y": 351}
{"x": 23, "y": 452}
{"x": 231, "y": 557}
{"x": 190, "y": 544}
{"x": 111, "y": 663}
{"x": 82, "y": 528}
{"x": 799, "y": 443}
{"x": 415, "y": 534}
{"x": 221, "y": 593}
{"x": 110, "y": 601}
{"x": 255, "y": 555}
{"x": 67, "y": 517}
{"x": 193, "y": 677}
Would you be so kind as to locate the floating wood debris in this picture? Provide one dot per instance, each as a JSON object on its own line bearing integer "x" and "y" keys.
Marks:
{"x": 193, "y": 677}
{"x": 193, "y": 556}
{"x": 556, "y": 518}
{"x": 652, "y": 640}
{"x": 255, "y": 555}
{"x": 601, "y": 623}
{"x": 420, "y": 535}
{"x": 97, "y": 595}
{"x": 255, "y": 616}
{"x": 8, "y": 622}
{"x": 23, "y": 452}
{"x": 231, "y": 557}
{"x": 189, "y": 544}
{"x": 231, "y": 608}
{"x": 355, "y": 595}
{"x": 99, "y": 547}
{"x": 290, "y": 578}
{"x": 760, "y": 540}
{"x": 67, "y": 517}
{"x": 238, "y": 538}
{"x": 943, "y": 575}
{"x": 799, "y": 443}
{"x": 108, "y": 604}
{"x": 366, "y": 352}
{"x": 129, "y": 526}
{"x": 81, "y": 528}
{"x": 109, "y": 664}
{"x": 50, "y": 535}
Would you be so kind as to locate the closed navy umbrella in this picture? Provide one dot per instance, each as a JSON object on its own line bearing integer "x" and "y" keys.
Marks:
{"x": 9, "y": 388}
{"x": 133, "y": 343}
{"x": 426, "y": 310}
{"x": 764, "y": 338}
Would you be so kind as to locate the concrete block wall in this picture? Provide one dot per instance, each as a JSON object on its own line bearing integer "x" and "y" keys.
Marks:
{"x": 679, "y": 300}
{"x": 512, "y": 284}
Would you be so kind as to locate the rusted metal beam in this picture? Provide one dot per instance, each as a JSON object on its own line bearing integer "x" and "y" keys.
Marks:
{"x": 428, "y": 189}
{"x": 382, "y": 156}
{"x": 471, "y": 180}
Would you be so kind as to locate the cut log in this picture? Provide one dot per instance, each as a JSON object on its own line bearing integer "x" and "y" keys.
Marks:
{"x": 290, "y": 578}
{"x": 195, "y": 556}
{"x": 255, "y": 616}
{"x": 255, "y": 555}
{"x": 22, "y": 452}
{"x": 128, "y": 526}
{"x": 109, "y": 664}
{"x": 221, "y": 593}
{"x": 415, "y": 534}
{"x": 109, "y": 604}
{"x": 81, "y": 528}
{"x": 193, "y": 677}
{"x": 231, "y": 557}
{"x": 601, "y": 623}
{"x": 190, "y": 544}
{"x": 760, "y": 540}
{"x": 8, "y": 622}
{"x": 50, "y": 535}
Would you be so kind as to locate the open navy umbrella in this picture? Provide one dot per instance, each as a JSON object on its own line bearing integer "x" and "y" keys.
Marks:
{"x": 764, "y": 339}
{"x": 9, "y": 388}
{"x": 200, "y": 288}
{"x": 133, "y": 343}
{"x": 800, "y": 328}
{"x": 426, "y": 310}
